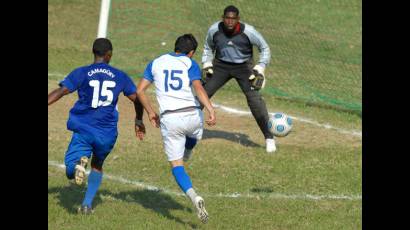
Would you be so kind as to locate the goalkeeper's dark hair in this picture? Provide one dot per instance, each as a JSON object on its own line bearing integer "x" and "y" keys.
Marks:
{"x": 231, "y": 8}
{"x": 185, "y": 43}
{"x": 101, "y": 46}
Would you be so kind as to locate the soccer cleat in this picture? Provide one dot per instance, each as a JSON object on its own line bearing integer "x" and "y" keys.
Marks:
{"x": 80, "y": 171}
{"x": 200, "y": 207}
{"x": 187, "y": 154}
{"x": 85, "y": 210}
{"x": 270, "y": 145}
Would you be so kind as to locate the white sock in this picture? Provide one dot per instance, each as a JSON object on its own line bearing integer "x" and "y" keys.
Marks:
{"x": 191, "y": 194}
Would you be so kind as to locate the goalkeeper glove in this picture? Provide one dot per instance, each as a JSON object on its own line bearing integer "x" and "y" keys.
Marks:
{"x": 257, "y": 77}
{"x": 207, "y": 70}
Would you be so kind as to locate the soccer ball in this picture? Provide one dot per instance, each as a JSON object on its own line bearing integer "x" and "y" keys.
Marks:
{"x": 280, "y": 124}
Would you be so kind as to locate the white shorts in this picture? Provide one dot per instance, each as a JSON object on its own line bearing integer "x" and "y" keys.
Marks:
{"x": 174, "y": 129}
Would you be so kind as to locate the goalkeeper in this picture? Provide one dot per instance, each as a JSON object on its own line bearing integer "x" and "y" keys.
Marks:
{"x": 228, "y": 54}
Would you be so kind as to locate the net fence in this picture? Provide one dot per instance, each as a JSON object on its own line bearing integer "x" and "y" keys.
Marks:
{"x": 316, "y": 45}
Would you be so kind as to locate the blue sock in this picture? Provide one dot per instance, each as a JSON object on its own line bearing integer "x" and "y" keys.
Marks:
{"x": 182, "y": 178}
{"x": 94, "y": 181}
{"x": 190, "y": 142}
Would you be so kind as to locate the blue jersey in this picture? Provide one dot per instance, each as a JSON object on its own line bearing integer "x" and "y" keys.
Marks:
{"x": 98, "y": 86}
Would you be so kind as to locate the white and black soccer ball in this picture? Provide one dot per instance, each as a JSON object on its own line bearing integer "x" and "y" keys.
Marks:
{"x": 280, "y": 124}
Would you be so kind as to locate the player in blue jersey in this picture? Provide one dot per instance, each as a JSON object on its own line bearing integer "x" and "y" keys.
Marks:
{"x": 94, "y": 117}
{"x": 181, "y": 120}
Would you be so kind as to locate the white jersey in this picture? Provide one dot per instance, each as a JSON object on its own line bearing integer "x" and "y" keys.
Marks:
{"x": 172, "y": 75}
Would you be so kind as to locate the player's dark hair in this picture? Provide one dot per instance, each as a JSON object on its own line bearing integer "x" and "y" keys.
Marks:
{"x": 185, "y": 43}
{"x": 101, "y": 46}
{"x": 231, "y": 8}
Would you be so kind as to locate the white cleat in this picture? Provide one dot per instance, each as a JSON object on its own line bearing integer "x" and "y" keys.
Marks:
{"x": 187, "y": 154}
{"x": 200, "y": 207}
{"x": 270, "y": 145}
{"x": 80, "y": 171}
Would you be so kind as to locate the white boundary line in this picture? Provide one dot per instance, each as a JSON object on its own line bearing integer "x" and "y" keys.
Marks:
{"x": 56, "y": 75}
{"x": 306, "y": 120}
{"x": 122, "y": 180}
{"x": 357, "y": 133}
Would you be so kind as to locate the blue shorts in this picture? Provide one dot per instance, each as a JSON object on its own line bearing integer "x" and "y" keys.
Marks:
{"x": 85, "y": 145}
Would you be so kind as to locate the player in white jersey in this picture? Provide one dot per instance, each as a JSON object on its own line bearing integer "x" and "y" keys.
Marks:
{"x": 181, "y": 120}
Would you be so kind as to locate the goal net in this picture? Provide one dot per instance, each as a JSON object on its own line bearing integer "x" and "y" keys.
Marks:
{"x": 316, "y": 45}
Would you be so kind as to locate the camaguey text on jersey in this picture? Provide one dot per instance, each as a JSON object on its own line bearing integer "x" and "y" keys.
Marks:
{"x": 101, "y": 70}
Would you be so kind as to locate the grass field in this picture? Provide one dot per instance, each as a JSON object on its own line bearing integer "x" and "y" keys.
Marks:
{"x": 314, "y": 181}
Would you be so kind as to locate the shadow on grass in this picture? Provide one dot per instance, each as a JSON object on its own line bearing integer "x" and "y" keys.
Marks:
{"x": 262, "y": 190}
{"x": 70, "y": 197}
{"x": 239, "y": 138}
{"x": 155, "y": 200}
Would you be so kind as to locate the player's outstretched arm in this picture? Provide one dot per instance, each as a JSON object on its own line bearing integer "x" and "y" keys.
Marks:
{"x": 142, "y": 86}
{"x": 139, "y": 111}
{"x": 204, "y": 99}
{"x": 56, "y": 94}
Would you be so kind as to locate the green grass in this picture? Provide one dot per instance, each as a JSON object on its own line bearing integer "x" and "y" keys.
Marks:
{"x": 231, "y": 157}
{"x": 126, "y": 207}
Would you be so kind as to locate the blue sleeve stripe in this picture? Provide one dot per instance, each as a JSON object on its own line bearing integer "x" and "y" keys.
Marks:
{"x": 148, "y": 73}
{"x": 194, "y": 73}
{"x": 148, "y": 78}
